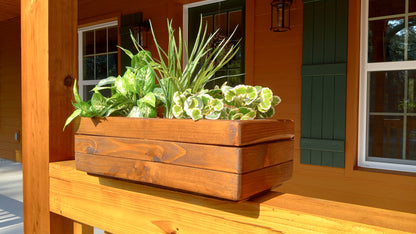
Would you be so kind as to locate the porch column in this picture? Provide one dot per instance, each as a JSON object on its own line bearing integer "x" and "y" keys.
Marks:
{"x": 49, "y": 65}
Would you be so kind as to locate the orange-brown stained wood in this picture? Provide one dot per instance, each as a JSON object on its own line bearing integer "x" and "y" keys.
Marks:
{"x": 216, "y": 132}
{"x": 225, "y": 185}
{"x": 10, "y": 95}
{"x": 220, "y": 158}
{"x": 137, "y": 208}
{"x": 48, "y": 45}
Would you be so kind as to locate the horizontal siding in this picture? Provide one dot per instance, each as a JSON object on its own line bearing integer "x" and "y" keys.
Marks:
{"x": 10, "y": 100}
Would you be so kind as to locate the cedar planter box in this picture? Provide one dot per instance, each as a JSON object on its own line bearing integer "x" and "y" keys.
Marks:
{"x": 232, "y": 160}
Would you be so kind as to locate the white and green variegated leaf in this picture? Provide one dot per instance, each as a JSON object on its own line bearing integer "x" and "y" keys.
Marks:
{"x": 149, "y": 99}
{"x": 142, "y": 110}
{"x": 276, "y": 100}
{"x": 217, "y": 104}
{"x": 206, "y": 99}
{"x": 230, "y": 95}
{"x": 121, "y": 86}
{"x": 240, "y": 90}
{"x": 213, "y": 115}
{"x": 107, "y": 81}
{"x": 196, "y": 114}
{"x": 178, "y": 111}
{"x": 99, "y": 103}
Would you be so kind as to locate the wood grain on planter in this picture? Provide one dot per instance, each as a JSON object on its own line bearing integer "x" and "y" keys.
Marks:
{"x": 227, "y": 159}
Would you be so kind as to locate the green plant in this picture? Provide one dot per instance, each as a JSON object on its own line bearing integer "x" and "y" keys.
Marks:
{"x": 175, "y": 75}
{"x": 134, "y": 94}
{"x": 241, "y": 102}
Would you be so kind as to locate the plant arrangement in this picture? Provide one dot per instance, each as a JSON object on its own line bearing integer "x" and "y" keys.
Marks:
{"x": 179, "y": 91}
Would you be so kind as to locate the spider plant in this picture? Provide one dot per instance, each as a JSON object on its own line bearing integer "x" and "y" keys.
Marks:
{"x": 177, "y": 73}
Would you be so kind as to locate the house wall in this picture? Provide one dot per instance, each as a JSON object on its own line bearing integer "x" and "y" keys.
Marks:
{"x": 275, "y": 60}
{"x": 10, "y": 100}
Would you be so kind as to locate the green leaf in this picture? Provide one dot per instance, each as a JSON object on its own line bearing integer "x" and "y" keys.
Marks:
{"x": 107, "y": 81}
{"x": 128, "y": 52}
{"x": 99, "y": 103}
{"x": 196, "y": 114}
{"x": 149, "y": 99}
{"x": 74, "y": 114}
{"x": 178, "y": 111}
{"x": 143, "y": 110}
{"x": 217, "y": 104}
{"x": 213, "y": 115}
{"x": 75, "y": 91}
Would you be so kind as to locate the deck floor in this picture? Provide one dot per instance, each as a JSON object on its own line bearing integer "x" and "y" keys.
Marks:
{"x": 11, "y": 197}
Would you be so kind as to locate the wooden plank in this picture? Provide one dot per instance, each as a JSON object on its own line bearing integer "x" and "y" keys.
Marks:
{"x": 207, "y": 182}
{"x": 353, "y": 87}
{"x": 220, "y": 158}
{"x": 341, "y": 31}
{"x": 48, "y": 42}
{"x": 316, "y": 157}
{"x": 328, "y": 106}
{"x": 330, "y": 29}
{"x": 306, "y": 110}
{"x": 10, "y": 91}
{"x": 80, "y": 228}
{"x": 316, "y": 114}
{"x": 324, "y": 69}
{"x": 318, "y": 32}
{"x": 305, "y": 156}
{"x": 322, "y": 145}
{"x": 308, "y": 22}
{"x": 122, "y": 207}
{"x": 340, "y": 97}
{"x": 216, "y": 132}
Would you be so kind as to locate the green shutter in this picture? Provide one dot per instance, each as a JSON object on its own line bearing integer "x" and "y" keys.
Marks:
{"x": 127, "y": 22}
{"x": 324, "y": 82}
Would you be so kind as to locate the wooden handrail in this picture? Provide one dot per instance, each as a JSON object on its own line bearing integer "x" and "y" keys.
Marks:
{"x": 123, "y": 207}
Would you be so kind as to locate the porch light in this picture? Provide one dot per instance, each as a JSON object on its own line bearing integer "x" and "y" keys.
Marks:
{"x": 280, "y": 15}
{"x": 141, "y": 33}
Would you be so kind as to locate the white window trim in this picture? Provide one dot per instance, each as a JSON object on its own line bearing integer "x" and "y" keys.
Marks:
{"x": 363, "y": 104}
{"x": 81, "y": 81}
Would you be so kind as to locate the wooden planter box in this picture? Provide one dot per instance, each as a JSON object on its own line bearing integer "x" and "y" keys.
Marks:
{"x": 233, "y": 160}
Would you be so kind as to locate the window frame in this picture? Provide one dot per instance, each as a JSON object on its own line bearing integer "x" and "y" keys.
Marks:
{"x": 365, "y": 69}
{"x": 81, "y": 82}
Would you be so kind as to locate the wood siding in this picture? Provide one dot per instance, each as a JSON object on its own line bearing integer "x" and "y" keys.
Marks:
{"x": 275, "y": 60}
{"x": 10, "y": 100}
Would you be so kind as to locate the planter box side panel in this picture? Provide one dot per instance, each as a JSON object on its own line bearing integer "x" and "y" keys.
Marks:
{"x": 208, "y": 182}
{"x": 213, "y": 132}
{"x": 220, "y": 158}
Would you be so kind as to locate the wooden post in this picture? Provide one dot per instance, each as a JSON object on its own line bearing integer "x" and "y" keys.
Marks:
{"x": 48, "y": 41}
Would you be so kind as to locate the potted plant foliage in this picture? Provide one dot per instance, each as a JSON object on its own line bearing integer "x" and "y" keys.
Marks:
{"x": 161, "y": 126}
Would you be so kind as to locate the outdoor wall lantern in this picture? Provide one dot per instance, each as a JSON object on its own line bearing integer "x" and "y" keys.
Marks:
{"x": 141, "y": 33}
{"x": 280, "y": 18}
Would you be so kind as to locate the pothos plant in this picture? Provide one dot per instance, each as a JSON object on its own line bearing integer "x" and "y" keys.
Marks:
{"x": 180, "y": 87}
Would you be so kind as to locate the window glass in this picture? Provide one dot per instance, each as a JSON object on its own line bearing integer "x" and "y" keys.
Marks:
{"x": 386, "y": 91}
{"x": 99, "y": 56}
{"x": 386, "y": 7}
{"x": 386, "y": 40}
{"x": 412, "y": 6}
{"x": 385, "y": 136}
{"x": 112, "y": 39}
{"x": 88, "y": 45}
{"x": 390, "y": 79}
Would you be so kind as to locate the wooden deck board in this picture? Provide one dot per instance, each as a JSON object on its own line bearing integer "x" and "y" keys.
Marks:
{"x": 123, "y": 207}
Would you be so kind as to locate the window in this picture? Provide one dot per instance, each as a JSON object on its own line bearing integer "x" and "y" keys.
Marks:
{"x": 97, "y": 55}
{"x": 224, "y": 16}
{"x": 388, "y": 85}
